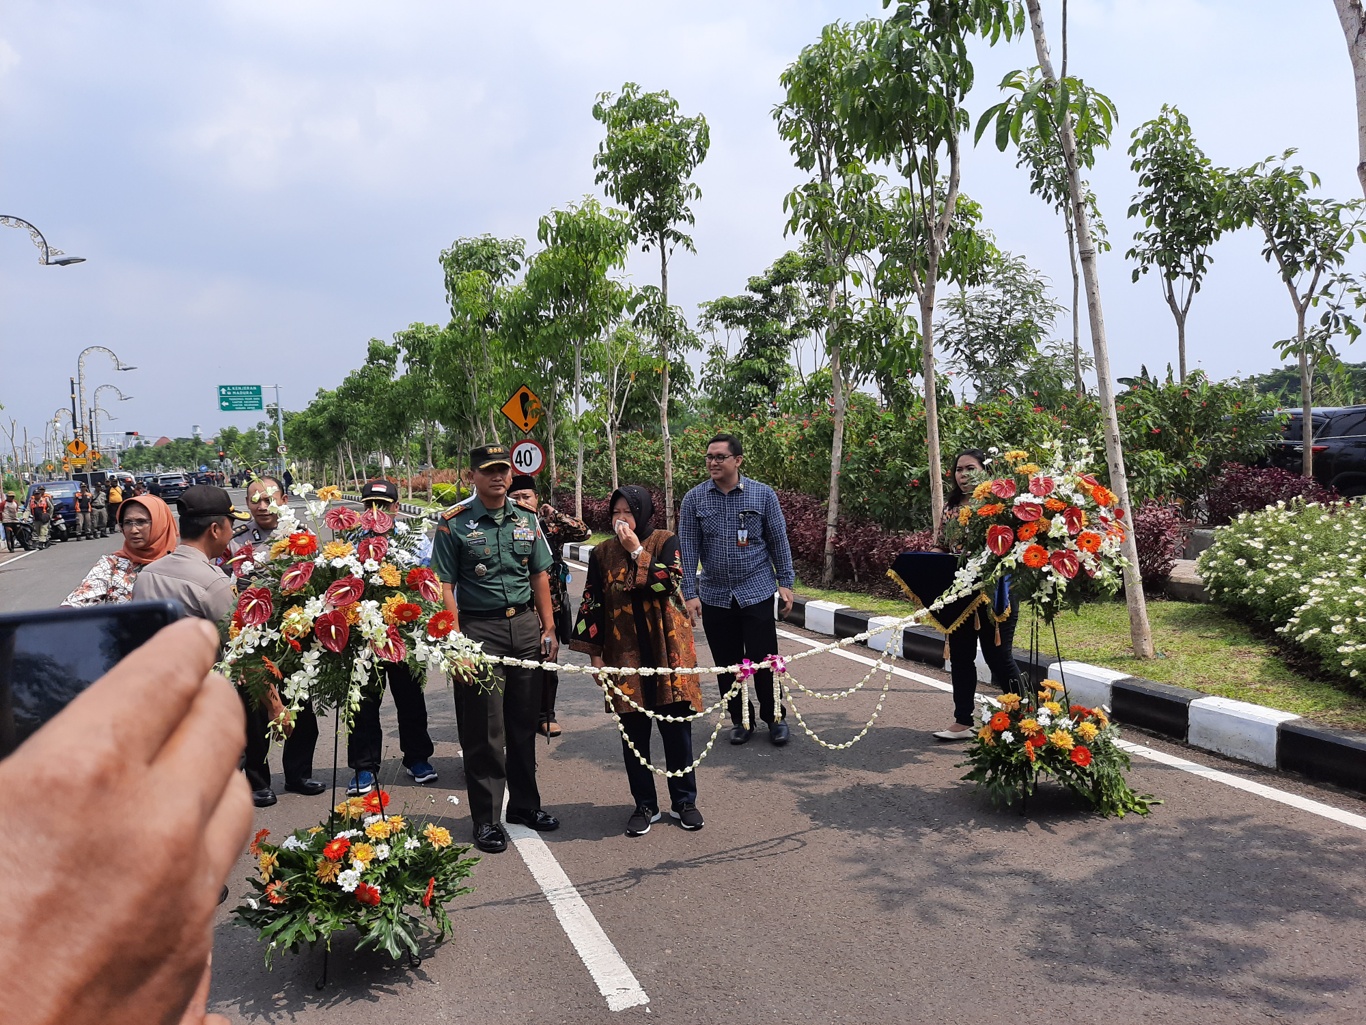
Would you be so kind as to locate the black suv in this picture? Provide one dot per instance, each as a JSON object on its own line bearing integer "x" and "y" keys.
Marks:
{"x": 1339, "y": 445}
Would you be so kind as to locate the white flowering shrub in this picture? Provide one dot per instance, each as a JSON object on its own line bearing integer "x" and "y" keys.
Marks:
{"x": 1298, "y": 568}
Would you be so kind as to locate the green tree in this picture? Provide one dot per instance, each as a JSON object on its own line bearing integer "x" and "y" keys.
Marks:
{"x": 1040, "y": 152}
{"x": 902, "y": 102}
{"x": 618, "y": 362}
{"x": 1308, "y": 239}
{"x": 1057, "y": 112}
{"x": 1181, "y": 199}
{"x": 646, "y": 164}
{"x": 995, "y": 332}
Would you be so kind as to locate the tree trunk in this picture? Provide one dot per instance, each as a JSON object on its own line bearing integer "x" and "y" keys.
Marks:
{"x": 578, "y": 428}
{"x": 1181, "y": 344}
{"x": 612, "y": 453}
{"x": 1354, "y": 29}
{"x": 832, "y": 513}
{"x": 553, "y": 468}
{"x": 1306, "y": 398}
{"x": 351, "y": 456}
{"x": 1076, "y": 305}
{"x": 1139, "y": 630}
{"x": 664, "y": 390}
{"x": 933, "y": 455}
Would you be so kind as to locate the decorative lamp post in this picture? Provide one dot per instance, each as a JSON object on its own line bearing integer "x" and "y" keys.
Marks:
{"x": 47, "y": 256}
{"x": 83, "y": 413}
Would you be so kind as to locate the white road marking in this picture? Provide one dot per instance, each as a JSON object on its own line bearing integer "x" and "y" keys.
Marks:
{"x": 615, "y": 979}
{"x": 1326, "y": 811}
{"x": 17, "y": 558}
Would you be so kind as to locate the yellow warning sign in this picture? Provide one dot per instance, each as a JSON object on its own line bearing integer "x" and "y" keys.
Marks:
{"x": 523, "y": 409}
{"x": 76, "y": 447}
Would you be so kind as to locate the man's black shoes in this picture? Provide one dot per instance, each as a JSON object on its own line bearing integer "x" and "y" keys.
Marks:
{"x": 778, "y": 733}
{"x": 541, "y": 821}
{"x": 739, "y": 735}
{"x": 490, "y": 838}
{"x": 263, "y": 798}
{"x": 308, "y": 787}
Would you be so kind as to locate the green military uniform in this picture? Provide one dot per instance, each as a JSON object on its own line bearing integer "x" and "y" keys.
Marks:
{"x": 490, "y": 556}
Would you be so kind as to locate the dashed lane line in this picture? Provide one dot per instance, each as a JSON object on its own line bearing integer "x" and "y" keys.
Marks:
{"x": 1229, "y": 779}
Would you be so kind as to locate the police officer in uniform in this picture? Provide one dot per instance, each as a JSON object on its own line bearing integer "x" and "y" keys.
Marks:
{"x": 297, "y": 756}
{"x": 493, "y": 562}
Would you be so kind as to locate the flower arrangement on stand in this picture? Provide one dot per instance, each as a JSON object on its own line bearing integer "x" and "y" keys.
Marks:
{"x": 1020, "y": 737}
{"x": 372, "y": 874}
{"x": 1055, "y": 531}
{"x": 320, "y": 619}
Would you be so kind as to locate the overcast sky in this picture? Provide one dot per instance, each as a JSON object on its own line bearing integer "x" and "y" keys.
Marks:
{"x": 260, "y": 186}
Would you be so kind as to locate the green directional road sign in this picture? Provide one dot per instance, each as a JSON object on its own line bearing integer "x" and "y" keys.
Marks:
{"x": 237, "y": 398}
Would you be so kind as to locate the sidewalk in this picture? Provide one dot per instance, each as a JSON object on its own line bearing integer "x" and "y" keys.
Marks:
{"x": 1236, "y": 729}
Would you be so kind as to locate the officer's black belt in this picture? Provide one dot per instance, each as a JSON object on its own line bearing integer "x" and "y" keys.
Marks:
{"x": 507, "y": 612}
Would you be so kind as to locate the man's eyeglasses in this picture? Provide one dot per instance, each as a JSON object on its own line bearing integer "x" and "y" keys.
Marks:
{"x": 713, "y": 457}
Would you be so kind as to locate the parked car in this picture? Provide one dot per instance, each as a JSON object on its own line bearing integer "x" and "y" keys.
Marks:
{"x": 1338, "y": 443}
{"x": 172, "y": 486}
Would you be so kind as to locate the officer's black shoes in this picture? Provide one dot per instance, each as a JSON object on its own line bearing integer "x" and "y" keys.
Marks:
{"x": 490, "y": 838}
{"x": 541, "y": 821}
{"x": 263, "y": 798}
{"x": 778, "y": 733}
{"x": 740, "y": 735}
{"x": 308, "y": 787}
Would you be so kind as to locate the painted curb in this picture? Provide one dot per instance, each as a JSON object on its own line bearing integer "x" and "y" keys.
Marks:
{"x": 1261, "y": 736}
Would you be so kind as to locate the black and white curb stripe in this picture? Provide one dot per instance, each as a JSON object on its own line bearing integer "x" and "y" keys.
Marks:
{"x": 1236, "y": 729}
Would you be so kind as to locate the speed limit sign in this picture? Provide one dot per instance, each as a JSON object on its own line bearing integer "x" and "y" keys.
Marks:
{"x": 528, "y": 456}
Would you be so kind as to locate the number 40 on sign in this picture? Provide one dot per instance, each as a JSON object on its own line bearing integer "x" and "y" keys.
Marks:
{"x": 528, "y": 457}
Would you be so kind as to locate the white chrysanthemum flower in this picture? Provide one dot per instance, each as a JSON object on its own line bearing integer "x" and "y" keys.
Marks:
{"x": 382, "y": 851}
{"x": 370, "y": 820}
{"x": 412, "y": 843}
{"x": 349, "y": 880}
{"x": 293, "y": 843}
{"x": 1007, "y": 737}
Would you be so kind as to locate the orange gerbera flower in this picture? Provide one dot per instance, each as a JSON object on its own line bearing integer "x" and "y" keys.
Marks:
{"x": 1035, "y": 556}
{"x": 1103, "y": 495}
{"x": 991, "y": 509}
{"x": 275, "y": 892}
{"x": 336, "y": 849}
{"x": 255, "y": 847}
{"x": 1089, "y": 541}
{"x": 302, "y": 543}
{"x": 1027, "y": 530}
{"x": 1055, "y": 505}
{"x": 1000, "y": 721}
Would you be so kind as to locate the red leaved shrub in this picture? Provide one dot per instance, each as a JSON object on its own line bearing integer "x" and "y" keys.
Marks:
{"x": 1239, "y": 489}
{"x": 1160, "y": 537}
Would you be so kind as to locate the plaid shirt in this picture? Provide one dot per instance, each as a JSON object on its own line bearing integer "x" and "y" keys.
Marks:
{"x": 707, "y": 533}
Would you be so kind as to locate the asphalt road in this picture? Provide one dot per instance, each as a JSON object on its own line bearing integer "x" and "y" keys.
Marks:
{"x": 866, "y": 885}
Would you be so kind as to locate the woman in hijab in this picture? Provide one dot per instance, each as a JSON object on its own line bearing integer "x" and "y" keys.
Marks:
{"x": 632, "y": 616}
{"x": 149, "y": 532}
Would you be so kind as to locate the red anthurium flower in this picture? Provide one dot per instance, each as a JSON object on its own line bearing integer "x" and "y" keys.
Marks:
{"x": 1027, "y": 512}
{"x": 241, "y": 557}
{"x": 341, "y": 518}
{"x": 999, "y": 539}
{"x": 1087, "y": 479}
{"x": 392, "y": 648}
{"x": 372, "y": 548}
{"x": 1081, "y": 755}
{"x": 1041, "y": 486}
{"x": 296, "y": 577}
{"x": 344, "y": 592}
{"x": 255, "y": 606}
{"x": 376, "y": 521}
{"x": 1003, "y": 488}
{"x": 441, "y": 624}
{"x": 1065, "y": 563}
{"x": 424, "y": 581}
{"x": 367, "y": 894}
{"x": 301, "y": 542}
{"x": 1074, "y": 518}
{"x": 332, "y": 630}
{"x": 431, "y": 889}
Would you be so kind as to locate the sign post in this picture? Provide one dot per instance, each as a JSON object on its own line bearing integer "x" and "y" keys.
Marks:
{"x": 239, "y": 398}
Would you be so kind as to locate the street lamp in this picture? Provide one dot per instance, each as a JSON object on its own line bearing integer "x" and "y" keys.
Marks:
{"x": 95, "y": 411}
{"x": 80, "y": 373}
{"x": 46, "y": 253}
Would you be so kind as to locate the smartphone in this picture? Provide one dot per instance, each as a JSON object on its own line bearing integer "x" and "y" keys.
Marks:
{"x": 47, "y": 657}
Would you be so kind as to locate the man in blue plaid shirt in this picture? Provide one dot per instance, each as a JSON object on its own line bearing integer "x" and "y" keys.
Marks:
{"x": 735, "y": 528}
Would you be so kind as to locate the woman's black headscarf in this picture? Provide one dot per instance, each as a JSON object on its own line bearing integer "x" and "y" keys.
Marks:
{"x": 641, "y": 505}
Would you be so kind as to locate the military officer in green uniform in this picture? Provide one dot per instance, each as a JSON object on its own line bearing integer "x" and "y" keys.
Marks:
{"x": 493, "y": 562}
